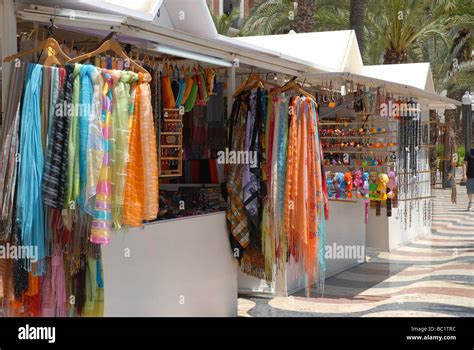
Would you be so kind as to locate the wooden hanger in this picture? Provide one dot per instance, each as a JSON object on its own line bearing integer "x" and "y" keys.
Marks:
{"x": 292, "y": 85}
{"x": 50, "y": 60}
{"x": 110, "y": 45}
{"x": 44, "y": 46}
{"x": 253, "y": 81}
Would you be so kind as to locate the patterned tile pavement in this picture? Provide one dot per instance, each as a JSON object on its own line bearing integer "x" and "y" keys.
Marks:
{"x": 430, "y": 276}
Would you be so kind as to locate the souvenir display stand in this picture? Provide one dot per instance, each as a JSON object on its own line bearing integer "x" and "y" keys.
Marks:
{"x": 406, "y": 214}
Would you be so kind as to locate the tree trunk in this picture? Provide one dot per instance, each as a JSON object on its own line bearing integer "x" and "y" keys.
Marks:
{"x": 432, "y": 151}
{"x": 448, "y": 147}
{"x": 304, "y": 20}
{"x": 356, "y": 21}
{"x": 393, "y": 56}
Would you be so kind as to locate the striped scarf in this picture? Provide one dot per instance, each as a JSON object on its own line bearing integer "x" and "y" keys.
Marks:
{"x": 55, "y": 169}
{"x": 9, "y": 143}
{"x": 102, "y": 223}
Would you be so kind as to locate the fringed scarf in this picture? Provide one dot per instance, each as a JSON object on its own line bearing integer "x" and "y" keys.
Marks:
{"x": 148, "y": 148}
{"x": 141, "y": 189}
{"x": 236, "y": 219}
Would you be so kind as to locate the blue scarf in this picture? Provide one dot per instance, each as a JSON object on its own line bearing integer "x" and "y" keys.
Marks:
{"x": 85, "y": 99}
{"x": 30, "y": 213}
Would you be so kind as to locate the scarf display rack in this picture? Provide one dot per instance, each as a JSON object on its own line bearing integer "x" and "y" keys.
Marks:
{"x": 85, "y": 145}
{"x": 269, "y": 219}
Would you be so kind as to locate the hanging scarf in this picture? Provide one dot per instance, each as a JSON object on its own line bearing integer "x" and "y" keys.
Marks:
{"x": 236, "y": 219}
{"x": 322, "y": 200}
{"x": 282, "y": 152}
{"x": 29, "y": 202}
{"x": 148, "y": 144}
{"x": 141, "y": 190}
{"x": 188, "y": 82}
{"x": 9, "y": 143}
{"x": 191, "y": 100}
{"x": 86, "y": 98}
{"x": 95, "y": 143}
{"x": 123, "y": 112}
{"x": 274, "y": 178}
{"x": 102, "y": 218}
{"x": 291, "y": 171}
{"x": 134, "y": 186}
{"x": 73, "y": 174}
{"x": 55, "y": 169}
{"x": 94, "y": 293}
{"x": 250, "y": 180}
{"x": 168, "y": 97}
{"x": 253, "y": 261}
{"x": 182, "y": 89}
{"x": 269, "y": 232}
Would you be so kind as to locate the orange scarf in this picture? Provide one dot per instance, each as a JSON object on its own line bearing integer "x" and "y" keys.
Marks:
{"x": 141, "y": 189}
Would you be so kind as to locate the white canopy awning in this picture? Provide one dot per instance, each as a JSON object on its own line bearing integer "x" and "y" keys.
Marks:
{"x": 414, "y": 74}
{"x": 139, "y": 32}
{"x": 334, "y": 51}
{"x": 301, "y": 54}
{"x": 431, "y": 100}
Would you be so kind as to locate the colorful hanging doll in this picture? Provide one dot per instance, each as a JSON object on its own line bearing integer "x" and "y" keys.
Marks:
{"x": 382, "y": 187}
{"x": 358, "y": 183}
{"x": 342, "y": 185}
{"x": 330, "y": 183}
{"x": 365, "y": 187}
{"x": 391, "y": 184}
{"x": 373, "y": 195}
{"x": 349, "y": 184}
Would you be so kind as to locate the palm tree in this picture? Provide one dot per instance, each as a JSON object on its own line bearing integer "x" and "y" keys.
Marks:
{"x": 280, "y": 16}
{"x": 224, "y": 22}
{"x": 408, "y": 22}
{"x": 356, "y": 21}
{"x": 269, "y": 17}
{"x": 304, "y": 21}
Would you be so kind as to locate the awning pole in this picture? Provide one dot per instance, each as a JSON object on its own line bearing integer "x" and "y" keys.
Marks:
{"x": 8, "y": 43}
{"x": 467, "y": 120}
{"x": 230, "y": 88}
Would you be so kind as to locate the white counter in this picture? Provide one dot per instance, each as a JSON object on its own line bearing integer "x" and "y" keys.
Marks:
{"x": 180, "y": 267}
{"x": 345, "y": 229}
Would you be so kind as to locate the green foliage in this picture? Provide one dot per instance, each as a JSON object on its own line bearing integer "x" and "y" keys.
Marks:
{"x": 461, "y": 153}
{"x": 395, "y": 31}
{"x": 224, "y": 22}
{"x": 439, "y": 150}
{"x": 278, "y": 17}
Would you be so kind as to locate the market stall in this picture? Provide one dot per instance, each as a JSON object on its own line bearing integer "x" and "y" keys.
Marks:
{"x": 188, "y": 198}
{"x": 367, "y": 150}
{"x": 184, "y": 104}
